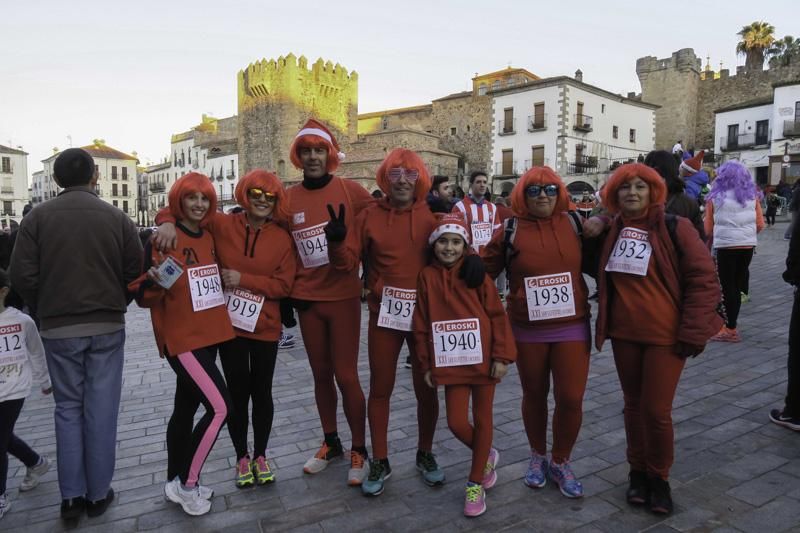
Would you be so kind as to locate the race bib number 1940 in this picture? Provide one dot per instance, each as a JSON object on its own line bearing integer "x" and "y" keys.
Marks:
{"x": 397, "y": 308}
{"x": 457, "y": 342}
{"x": 312, "y": 244}
{"x": 631, "y": 253}
{"x": 205, "y": 287}
{"x": 549, "y": 296}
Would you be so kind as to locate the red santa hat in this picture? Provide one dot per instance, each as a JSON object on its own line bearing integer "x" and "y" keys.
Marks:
{"x": 450, "y": 223}
{"x": 314, "y": 134}
{"x": 693, "y": 164}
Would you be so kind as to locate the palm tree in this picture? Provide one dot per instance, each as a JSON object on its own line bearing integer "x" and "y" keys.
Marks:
{"x": 784, "y": 51}
{"x": 757, "y": 38}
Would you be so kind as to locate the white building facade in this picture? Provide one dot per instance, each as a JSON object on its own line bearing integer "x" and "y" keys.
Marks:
{"x": 578, "y": 130}
{"x": 13, "y": 184}
{"x": 744, "y": 133}
{"x": 785, "y": 150}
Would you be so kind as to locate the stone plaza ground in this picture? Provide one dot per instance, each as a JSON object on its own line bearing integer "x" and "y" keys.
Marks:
{"x": 734, "y": 470}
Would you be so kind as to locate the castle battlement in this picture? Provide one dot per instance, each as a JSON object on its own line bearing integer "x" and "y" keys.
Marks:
{"x": 684, "y": 59}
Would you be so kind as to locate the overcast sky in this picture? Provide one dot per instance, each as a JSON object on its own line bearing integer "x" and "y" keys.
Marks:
{"x": 133, "y": 73}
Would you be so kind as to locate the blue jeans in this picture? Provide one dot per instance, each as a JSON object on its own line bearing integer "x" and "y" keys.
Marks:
{"x": 86, "y": 373}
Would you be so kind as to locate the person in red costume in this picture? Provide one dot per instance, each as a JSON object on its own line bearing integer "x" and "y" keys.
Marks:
{"x": 658, "y": 300}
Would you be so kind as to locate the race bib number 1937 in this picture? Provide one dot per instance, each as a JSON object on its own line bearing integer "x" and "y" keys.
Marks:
{"x": 397, "y": 308}
{"x": 457, "y": 342}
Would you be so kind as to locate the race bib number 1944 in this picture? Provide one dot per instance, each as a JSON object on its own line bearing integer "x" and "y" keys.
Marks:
{"x": 312, "y": 244}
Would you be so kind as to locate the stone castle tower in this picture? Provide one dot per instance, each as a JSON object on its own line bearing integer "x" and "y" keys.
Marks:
{"x": 276, "y": 97}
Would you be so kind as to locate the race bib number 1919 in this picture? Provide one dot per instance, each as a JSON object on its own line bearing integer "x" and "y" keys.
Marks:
{"x": 244, "y": 307}
{"x": 457, "y": 342}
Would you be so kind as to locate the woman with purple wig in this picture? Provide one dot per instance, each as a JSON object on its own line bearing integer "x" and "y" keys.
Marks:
{"x": 733, "y": 218}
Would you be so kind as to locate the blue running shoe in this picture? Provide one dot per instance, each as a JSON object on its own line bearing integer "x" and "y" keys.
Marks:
{"x": 379, "y": 472}
{"x": 565, "y": 478}
{"x": 432, "y": 474}
{"x": 536, "y": 477}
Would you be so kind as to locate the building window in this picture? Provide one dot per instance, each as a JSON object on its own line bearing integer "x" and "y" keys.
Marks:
{"x": 453, "y": 131}
{"x": 125, "y": 206}
{"x": 281, "y": 168}
{"x": 602, "y": 108}
{"x": 115, "y": 203}
{"x": 482, "y": 89}
{"x": 6, "y": 165}
{"x": 8, "y": 208}
{"x": 125, "y": 173}
{"x": 508, "y": 120}
{"x": 124, "y": 189}
{"x": 467, "y": 128}
{"x": 496, "y": 85}
{"x": 632, "y": 135}
{"x": 762, "y": 132}
{"x": 508, "y": 163}
{"x": 114, "y": 189}
{"x": 113, "y": 172}
{"x": 232, "y": 172}
{"x": 537, "y": 156}
{"x": 385, "y": 123}
{"x": 615, "y": 132}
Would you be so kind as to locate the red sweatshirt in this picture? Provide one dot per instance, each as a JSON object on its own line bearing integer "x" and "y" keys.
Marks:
{"x": 393, "y": 242}
{"x": 265, "y": 257}
{"x": 316, "y": 279}
{"x": 456, "y": 324}
{"x": 177, "y": 326}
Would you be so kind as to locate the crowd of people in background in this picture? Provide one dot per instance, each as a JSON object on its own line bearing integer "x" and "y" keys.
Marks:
{"x": 469, "y": 284}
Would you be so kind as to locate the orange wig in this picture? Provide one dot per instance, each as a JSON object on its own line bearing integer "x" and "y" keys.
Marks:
{"x": 624, "y": 174}
{"x": 189, "y": 184}
{"x": 538, "y": 176}
{"x": 402, "y": 158}
{"x": 267, "y": 182}
{"x": 315, "y": 134}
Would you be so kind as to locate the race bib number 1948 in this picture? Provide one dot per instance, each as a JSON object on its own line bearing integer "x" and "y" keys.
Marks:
{"x": 205, "y": 287}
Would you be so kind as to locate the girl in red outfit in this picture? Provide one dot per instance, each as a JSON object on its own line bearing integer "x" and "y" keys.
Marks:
{"x": 258, "y": 269}
{"x": 189, "y": 321}
{"x": 463, "y": 341}
{"x": 658, "y": 270}
{"x": 392, "y": 236}
{"x": 549, "y": 310}
{"x": 328, "y": 299}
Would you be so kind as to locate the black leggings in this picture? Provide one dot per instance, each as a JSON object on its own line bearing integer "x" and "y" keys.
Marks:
{"x": 249, "y": 365}
{"x": 733, "y": 266}
{"x": 9, "y": 443}
{"x": 198, "y": 382}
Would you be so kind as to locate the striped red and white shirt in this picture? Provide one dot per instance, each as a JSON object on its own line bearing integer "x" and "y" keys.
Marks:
{"x": 481, "y": 218}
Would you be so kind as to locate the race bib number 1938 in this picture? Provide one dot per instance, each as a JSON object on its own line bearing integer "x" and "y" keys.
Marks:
{"x": 457, "y": 342}
{"x": 549, "y": 296}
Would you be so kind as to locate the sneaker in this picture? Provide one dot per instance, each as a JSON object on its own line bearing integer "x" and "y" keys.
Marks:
{"x": 379, "y": 472}
{"x": 205, "y": 492}
{"x": 33, "y": 474}
{"x": 536, "y": 476}
{"x": 5, "y": 505}
{"x": 432, "y": 475}
{"x": 490, "y": 470}
{"x": 563, "y": 475}
{"x": 286, "y": 341}
{"x": 358, "y": 469}
{"x": 244, "y": 473}
{"x": 260, "y": 467}
{"x": 407, "y": 364}
{"x": 72, "y": 508}
{"x": 777, "y": 416}
{"x": 190, "y": 500}
{"x": 638, "y": 492}
{"x": 726, "y": 334}
{"x": 744, "y": 297}
{"x": 660, "y": 497}
{"x": 324, "y": 455}
{"x": 475, "y": 500}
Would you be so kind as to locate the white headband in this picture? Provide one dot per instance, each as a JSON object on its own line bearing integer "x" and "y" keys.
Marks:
{"x": 315, "y": 131}
{"x": 448, "y": 228}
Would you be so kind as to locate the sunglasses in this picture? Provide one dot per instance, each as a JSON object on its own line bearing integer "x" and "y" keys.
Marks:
{"x": 256, "y": 194}
{"x": 532, "y": 191}
{"x": 396, "y": 173}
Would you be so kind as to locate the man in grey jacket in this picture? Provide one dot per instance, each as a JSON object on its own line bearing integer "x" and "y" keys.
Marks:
{"x": 72, "y": 261}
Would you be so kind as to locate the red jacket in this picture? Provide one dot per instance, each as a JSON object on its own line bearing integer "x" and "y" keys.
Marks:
{"x": 442, "y": 296}
{"x": 689, "y": 275}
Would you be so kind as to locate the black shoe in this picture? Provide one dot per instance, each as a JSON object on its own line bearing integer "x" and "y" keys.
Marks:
{"x": 408, "y": 362}
{"x": 72, "y": 508}
{"x": 660, "y": 498}
{"x": 792, "y": 422}
{"x": 638, "y": 490}
{"x": 99, "y": 507}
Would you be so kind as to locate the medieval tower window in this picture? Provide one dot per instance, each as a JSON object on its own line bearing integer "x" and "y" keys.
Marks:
{"x": 482, "y": 89}
{"x": 615, "y": 132}
{"x": 453, "y": 131}
{"x": 633, "y": 135}
{"x": 281, "y": 168}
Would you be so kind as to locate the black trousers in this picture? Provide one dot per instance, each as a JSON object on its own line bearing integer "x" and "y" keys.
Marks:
{"x": 792, "y": 407}
{"x": 733, "y": 267}
{"x": 10, "y": 443}
{"x": 249, "y": 365}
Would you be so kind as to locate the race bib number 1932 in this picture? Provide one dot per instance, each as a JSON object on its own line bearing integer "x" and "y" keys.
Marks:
{"x": 631, "y": 253}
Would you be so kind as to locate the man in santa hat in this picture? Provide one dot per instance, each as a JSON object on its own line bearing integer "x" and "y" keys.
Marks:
{"x": 692, "y": 173}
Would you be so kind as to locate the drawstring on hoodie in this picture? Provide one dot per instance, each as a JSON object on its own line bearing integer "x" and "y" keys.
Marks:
{"x": 247, "y": 240}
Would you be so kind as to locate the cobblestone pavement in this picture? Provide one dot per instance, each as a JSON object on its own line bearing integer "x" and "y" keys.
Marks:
{"x": 734, "y": 470}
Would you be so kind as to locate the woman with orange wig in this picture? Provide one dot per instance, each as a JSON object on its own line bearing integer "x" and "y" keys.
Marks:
{"x": 187, "y": 307}
{"x": 549, "y": 311}
{"x": 392, "y": 237}
{"x": 653, "y": 267}
{"x": 258, "y": 269}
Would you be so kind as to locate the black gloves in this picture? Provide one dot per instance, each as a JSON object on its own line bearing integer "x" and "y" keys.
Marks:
{"x": 335, "y": 230}
{"x": 472, "y": 271}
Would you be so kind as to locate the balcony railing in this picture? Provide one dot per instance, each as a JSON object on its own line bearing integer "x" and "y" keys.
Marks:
{"x": 6, "y": 190}
{"x": 582, "y": 122}
{"x": 231, "y": 175}
{"x": 506, "y": 127}
{"x": 530, "y": 163}
{"x": 9, "y": 213}
{"x": 157, "y": 187}
{"x": 583, "y": 165}
{"x": 507, "y": 168}
{"x": 791, "y": 128}
{"x": 742, "y": 142}
{"x": 220, "y": 177}
{"x": 537, "y": 122}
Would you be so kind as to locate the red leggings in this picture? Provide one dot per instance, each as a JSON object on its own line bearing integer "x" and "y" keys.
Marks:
{"x": 384, "y": 349}
{"x": 331, "y": 335}
{"x": 569, "y": 364}
{"x": 649, "y": 376}
{"x": 478, "y": 438}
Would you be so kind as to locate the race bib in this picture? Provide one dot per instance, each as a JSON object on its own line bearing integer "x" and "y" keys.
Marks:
{"x": 549, "y": 296}
{"x": 244, "y": 308}
{"x": 205, "y": 287}
{"x": 397, "y": 307}
{"x": 12, "y": 347}
{"x": 481, "y": 233}
{"x": 457, "y": 342}
{"x": 631, "y": 253}
{"x": 312, "y": 245}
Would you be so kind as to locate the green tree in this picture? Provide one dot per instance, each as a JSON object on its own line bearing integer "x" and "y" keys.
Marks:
{"x": 756, "y": 40}
{"x": 784, "y": 51}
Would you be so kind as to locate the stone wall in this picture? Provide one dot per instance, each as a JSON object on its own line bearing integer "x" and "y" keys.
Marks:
{"x": 471, "y": 115}
{"x": 417, "y": 118}
{"x": 276, "y": 97}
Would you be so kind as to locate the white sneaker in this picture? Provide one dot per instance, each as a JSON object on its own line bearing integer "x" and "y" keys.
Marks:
{"x": 205, "y": 492}
{"x": 190, "y": 500}
{"x": 5, "y": 505}
{"x": 359, "y": 469}
{"x": 33, "y": 474}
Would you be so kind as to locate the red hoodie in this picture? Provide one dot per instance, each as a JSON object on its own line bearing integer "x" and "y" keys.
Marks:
{"x": 447, "y": 319}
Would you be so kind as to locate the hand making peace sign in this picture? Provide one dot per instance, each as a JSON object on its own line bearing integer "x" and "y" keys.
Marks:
{"x": 336, "y": 230}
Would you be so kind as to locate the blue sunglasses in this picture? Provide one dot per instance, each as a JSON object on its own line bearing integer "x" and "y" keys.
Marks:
{"x": 532, "y": 191}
